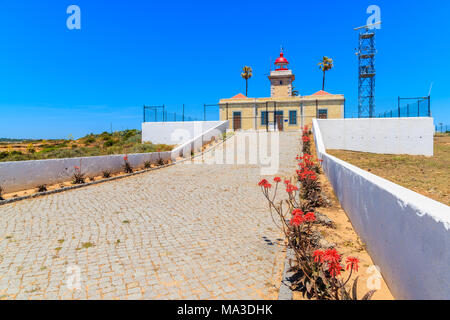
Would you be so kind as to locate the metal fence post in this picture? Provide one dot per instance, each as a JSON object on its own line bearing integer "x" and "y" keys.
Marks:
{"x": 275, "y": 115}
{"x": 183, "y": 112}
{"x": 344, "y": 108}
{"x": 301, "y": 114}
{"x": 429, "y": 106}
{"x": 143, "y": 113}
{"x": 267, "y": 117}
{"x": 317, "y": 108}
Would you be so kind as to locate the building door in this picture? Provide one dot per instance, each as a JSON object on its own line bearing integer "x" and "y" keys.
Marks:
{"x": 236, "y": 120}
{"x": 279, "y": 120}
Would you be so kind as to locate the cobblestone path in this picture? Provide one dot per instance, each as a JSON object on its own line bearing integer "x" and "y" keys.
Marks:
{"x": 190, "y": 231}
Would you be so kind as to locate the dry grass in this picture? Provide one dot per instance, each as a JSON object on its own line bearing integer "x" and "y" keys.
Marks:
{"x": 429, "y": 176}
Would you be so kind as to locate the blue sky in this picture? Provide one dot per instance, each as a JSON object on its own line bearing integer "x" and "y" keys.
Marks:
{"x": 56, "y": 82}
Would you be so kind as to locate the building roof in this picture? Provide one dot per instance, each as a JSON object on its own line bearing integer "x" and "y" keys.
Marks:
{"x": 281, "y": 59}
{"x": 321, "y": 93}
{"x": 239, "y": 96}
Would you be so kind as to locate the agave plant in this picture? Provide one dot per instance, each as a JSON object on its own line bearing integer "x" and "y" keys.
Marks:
{"x": 106, "y": 174}
{"x": 325, "y": 65}
{"x": 246, "y": 74}
{"x": 41, "y": 188}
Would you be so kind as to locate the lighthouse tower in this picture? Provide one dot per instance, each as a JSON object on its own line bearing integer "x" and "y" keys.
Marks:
{"x": 281, "y": 78}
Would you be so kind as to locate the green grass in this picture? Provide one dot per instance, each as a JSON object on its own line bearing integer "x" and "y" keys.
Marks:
{"x": 119, "y": 142}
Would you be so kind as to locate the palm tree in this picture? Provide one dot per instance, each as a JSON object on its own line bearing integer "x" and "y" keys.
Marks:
{"x": 294, "y": 92}
{"x": 325, "y": 65}
{"x": 247, "y": 74}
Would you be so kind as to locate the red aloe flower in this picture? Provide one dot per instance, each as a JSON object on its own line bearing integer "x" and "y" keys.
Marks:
{"x": 352, "y": 263}
{"x": 332, "y": 256}
{"x": 297, "y": 220}
{"x": 334, "y": 269}
{"x": 318, "y": 256}
{"x": 277, "y": 179}
{"x": 310, "y": 217}
{"x": 262, "y": 182}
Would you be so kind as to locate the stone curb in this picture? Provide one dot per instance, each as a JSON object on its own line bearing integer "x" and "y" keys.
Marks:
{"x": 285, "y": 292}
{"x": 45, "y": 193}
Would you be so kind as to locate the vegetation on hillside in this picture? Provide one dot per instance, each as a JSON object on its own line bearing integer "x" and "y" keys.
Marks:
{"x": 119, "y": 142}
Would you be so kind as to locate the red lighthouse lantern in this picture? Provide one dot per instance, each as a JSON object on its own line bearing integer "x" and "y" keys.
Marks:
{"x": 281, "y": 62}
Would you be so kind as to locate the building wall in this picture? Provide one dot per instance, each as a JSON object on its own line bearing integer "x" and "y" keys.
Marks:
{"x": 334, "y": 107}
{"x": 281, "y": 90}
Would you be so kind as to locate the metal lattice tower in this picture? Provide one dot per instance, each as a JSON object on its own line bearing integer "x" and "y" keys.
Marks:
{"x": 366, "y": 70}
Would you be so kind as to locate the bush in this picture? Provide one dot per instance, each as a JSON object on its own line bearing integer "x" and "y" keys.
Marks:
{"x": 78, "y": 176}
{"x": 1, "y": 193}
{"x": 147, "y": 164}
{"x": 89, "y": 140}
{"x": 106, "y": 174}
{"x": 108, "y": 143}
{"x": 127, "y": 167}
{"x": 41, "y": 188}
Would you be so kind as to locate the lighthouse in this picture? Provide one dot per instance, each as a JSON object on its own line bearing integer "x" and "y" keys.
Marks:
{"x": 281, "y": 78}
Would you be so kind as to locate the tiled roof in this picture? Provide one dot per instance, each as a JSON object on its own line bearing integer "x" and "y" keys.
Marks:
{"x": 239, "y": 96}
{"x": 321, "y": 93}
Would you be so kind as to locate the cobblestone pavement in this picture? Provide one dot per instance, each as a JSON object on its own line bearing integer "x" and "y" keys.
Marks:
{"x": 190, "y": 231}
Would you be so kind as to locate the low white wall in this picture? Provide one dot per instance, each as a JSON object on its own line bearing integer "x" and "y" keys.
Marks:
{"x": 379, "y": 135}
{"x": 175, "y": 133}
{"x": 20, "y": 175}
{"x": 215, "y": 132}
{"x": 407, "y": 234}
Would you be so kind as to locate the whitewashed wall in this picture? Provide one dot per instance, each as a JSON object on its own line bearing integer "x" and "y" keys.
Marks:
{"x": 20, "y": 175}
{"x": 407, "y": 234}
{"x": 175, "y": 133}
{"x": 215, "y": 132}
{"x": 379, "y": 135}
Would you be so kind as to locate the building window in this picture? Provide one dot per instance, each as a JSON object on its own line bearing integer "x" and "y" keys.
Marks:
{"x": 281, "y": 82}
{"x": 293, "y": 117}
{"x": 323, "y": 113}
{"x": 264, "y": 118}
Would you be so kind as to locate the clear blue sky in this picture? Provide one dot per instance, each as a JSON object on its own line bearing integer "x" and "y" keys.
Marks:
{"x": 55, "y": 82}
